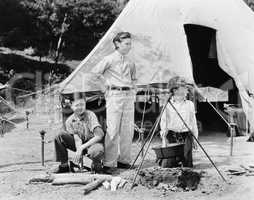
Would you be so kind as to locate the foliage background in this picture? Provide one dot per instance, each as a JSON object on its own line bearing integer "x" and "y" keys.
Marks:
{"x": 39, "y": 24}
{"x": 35, "y": 27}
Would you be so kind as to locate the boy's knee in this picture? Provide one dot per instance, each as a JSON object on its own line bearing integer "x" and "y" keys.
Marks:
{"x": 59, "y": 135}
{"x": 96, "y": 151}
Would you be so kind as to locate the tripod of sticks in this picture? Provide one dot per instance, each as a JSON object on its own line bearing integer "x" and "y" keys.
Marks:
{"x": 151, "y": 135}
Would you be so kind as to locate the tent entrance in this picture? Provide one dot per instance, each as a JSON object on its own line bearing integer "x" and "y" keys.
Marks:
{"x": 206, "y": 72}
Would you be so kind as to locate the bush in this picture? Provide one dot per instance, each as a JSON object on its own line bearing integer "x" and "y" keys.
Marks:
{"x": 40, "y": 23}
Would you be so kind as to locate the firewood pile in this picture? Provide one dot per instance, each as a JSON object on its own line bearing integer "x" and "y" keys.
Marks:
{"x": 169, "y": 179}
{"x": 90, "y": 181}
{"x": 163, "y": 179}
{"x": 242, "y": 170}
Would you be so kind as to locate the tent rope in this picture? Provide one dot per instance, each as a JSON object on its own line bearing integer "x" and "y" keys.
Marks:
{"x": 223, "y": 118}
{"x": 7, "y": 104}
{"x": 4, "y": 119}
{"x": 27, "y": 91}
{"x": 39, "y": 91}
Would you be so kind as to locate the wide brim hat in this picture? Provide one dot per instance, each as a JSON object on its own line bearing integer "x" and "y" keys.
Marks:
{"x": 177, "y": 82}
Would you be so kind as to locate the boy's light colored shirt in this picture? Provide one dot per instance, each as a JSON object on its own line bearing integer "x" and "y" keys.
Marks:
{"x": 171, "y": 121}
{"x": 117, "y": 70}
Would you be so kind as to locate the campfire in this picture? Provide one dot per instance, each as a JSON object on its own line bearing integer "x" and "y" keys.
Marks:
{"x": 172, "y": 179}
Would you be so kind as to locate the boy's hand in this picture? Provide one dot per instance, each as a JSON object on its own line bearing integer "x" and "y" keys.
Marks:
{"x": 78, "y": 155}
{"x": 195, "y": 145}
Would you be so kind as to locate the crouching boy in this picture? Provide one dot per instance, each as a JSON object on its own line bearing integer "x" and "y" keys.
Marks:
{"x": 83, "y": 135}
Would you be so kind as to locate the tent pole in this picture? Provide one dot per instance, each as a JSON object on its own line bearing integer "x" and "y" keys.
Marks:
{"x": 231, "y": 125}
{"x": 232, "y": 131}
{"x": 198, "y": 91}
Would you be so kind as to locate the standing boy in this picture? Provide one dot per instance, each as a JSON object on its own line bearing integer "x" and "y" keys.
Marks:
{"x": 119, "y": 73}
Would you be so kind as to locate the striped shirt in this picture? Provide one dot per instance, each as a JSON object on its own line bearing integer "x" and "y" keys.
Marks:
{"x": 84, "y": 128}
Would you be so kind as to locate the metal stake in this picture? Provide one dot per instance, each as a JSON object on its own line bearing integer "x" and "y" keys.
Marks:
{"x": 42, "y": 133}
{"x": 2, "y": 127}
{"x": 27, "y": 119}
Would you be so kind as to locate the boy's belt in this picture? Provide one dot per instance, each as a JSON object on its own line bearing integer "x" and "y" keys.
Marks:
{"x": 120, "y": 88}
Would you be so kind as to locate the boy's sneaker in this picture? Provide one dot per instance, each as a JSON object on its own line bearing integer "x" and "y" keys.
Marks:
{"x": 97, "y": 167}
{"x": 62, "y": 168}
{"x": 123, "y": 165}
{"x": 108, "y": 170}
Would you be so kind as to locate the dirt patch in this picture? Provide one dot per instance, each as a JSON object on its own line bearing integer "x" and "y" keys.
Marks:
{"x": 173, "y": 179}
{"x": 20, "y": 153}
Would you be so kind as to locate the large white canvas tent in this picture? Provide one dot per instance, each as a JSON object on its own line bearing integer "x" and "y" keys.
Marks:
{"x": 160, "y": 48}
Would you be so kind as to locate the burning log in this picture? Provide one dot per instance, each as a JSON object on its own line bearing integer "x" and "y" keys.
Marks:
{"x": 248, "y": 171}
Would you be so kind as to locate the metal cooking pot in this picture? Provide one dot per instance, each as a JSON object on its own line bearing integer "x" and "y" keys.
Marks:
{"x": 172, "y": 150}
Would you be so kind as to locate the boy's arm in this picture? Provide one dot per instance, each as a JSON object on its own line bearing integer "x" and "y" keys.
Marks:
{"x": 194, "y": 121}
{"x": 163, "y": 123}
{"x": 98, "y": 136}
{"x": 95, "y": 127}
{"x": 163, "y": 126}
{"x": 99, "y": 71}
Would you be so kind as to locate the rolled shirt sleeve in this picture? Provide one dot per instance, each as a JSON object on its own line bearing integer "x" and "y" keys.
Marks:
{"x": 101, "y": 67}
{"x": 99, "y": 71}
{"x": 94, "y": 123}
{"x": 68, "y": 124}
